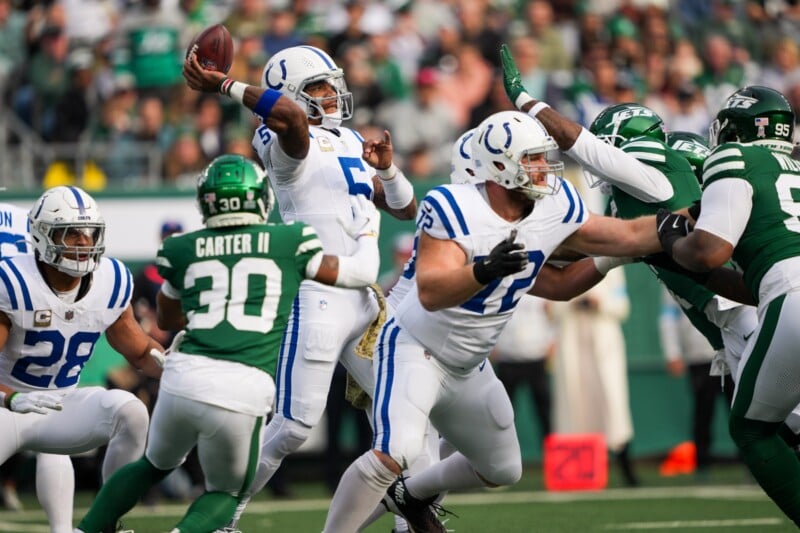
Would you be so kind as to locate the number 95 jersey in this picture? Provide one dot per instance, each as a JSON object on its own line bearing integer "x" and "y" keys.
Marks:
{"x": 51, "y": 340}
{"x": 462, "y": 336}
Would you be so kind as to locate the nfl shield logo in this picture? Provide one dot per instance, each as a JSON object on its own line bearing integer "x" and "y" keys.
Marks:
{"x": 69, "y": 315}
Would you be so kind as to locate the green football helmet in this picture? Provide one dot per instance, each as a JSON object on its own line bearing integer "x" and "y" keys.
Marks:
{"x": 756, "y": 115}
{"x": 691, "y": 146}
{"x": 618, "y": 123}
{"x": 233, "y": 191}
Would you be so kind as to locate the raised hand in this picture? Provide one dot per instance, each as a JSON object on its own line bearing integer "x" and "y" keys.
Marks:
{"x": 506, "y": 258}
{"x": 198, "y": 78}
{"x": 512, "y": 79}
{"x": 378, "y": 153}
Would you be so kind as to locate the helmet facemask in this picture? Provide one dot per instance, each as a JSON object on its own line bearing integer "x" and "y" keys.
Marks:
{"x": 315, "y": 106}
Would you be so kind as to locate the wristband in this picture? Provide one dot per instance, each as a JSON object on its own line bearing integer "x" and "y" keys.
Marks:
{"x": 523, "y": 99}
{"x": 387, "y": 174}
{"x": 538, "y": 106}
{"x": 266, "y": 102}
{"x": 233, "y": 89}
{"x": 603, "y": 264}
{"x": 398, "y": 190}
{"x": 8, "y": 399}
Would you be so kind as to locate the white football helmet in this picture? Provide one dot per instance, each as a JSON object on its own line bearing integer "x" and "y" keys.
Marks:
{"x": 61, "y": 210}
{"x": 292, "y": 69}
{"x": 461, "y": 167}
{"x": 500, "y": 144}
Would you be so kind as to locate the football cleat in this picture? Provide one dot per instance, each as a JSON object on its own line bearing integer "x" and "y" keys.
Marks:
{"x": 422, "y": 515}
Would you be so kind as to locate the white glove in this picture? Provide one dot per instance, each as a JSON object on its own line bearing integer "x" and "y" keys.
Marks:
{"x": 366, "y": 219}
{"x": 36, "y": 402}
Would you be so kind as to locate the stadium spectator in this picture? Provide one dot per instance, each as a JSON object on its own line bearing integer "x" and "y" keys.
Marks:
{"x": 687, "y": 352}
{"x": 522, "y": 354}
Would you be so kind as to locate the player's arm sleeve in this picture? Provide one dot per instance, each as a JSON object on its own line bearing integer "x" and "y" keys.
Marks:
{"x": 620, "y": 168}
{"x": 281, "y": 167}
{"x": 726, "y": 207}
{"x": 164, "y": 261}
{"x": 354, "y": 271}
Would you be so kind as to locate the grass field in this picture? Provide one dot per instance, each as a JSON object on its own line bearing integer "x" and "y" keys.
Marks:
{"x": 725, "y": 501}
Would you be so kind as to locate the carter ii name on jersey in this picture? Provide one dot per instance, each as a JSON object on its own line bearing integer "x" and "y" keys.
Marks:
{"x": 233, "y": 243}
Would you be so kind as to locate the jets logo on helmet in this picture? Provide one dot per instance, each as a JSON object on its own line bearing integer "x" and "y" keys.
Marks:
{"x": 740, "y": 102}
{"x": 622, "y": 122}
{"x": 691, "y": 146}
{"x": 233, "y": 191}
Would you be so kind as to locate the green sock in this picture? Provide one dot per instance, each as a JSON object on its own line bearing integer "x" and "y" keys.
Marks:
{"x": 771, "y": 462}
{"x": 120, "y": 493}
{"x": 209, "y": 512}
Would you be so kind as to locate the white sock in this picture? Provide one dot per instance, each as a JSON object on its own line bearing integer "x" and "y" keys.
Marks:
{"x": 453, "y": 473}
{"x": 360, "y": 489}
{"x": 55, "y": 488}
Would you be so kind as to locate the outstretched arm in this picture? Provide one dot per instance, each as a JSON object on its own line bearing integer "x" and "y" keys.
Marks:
{"x": 565, "y": 283}
{"x": 608, "y": 162}
{"x": 602, "y": 235}
{"x": 279, "y": 113}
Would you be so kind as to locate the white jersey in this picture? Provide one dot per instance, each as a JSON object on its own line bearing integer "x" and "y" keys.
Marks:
{"x": 315, "y": 190}
{"x": 50, "y": 340}
{"x": 461, "y": 337}
{"x": 14, "y": 231}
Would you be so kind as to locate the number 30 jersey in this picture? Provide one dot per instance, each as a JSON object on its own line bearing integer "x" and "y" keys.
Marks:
{"x": 462, "y": 336}
{"x": 51, "y": 340}
{"x": 236, "y": 287}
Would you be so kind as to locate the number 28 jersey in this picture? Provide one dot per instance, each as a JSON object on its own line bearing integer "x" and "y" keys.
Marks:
{"x": 51, "y": 340}
{"x": 462, "y": 336}
{"x": 236, "y": 287}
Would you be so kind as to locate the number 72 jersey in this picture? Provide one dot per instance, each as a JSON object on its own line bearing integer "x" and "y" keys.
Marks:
{"x": 51, "y": 340}
{"x": 462, "y": 336}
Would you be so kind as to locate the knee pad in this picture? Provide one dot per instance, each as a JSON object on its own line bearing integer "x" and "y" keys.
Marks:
{"x": 286, "y": 436}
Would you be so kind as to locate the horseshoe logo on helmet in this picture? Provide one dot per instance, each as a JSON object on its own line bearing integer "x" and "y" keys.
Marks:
{"x": 507, "y": 143}
{"x": 276, "y": 86}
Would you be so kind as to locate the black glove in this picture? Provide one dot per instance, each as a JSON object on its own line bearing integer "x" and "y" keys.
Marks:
{"x": 694, "y": 210}
{"x": 504, "y": 259}
{"x": 671, "y": 227}
{"x": 665, "y": 262}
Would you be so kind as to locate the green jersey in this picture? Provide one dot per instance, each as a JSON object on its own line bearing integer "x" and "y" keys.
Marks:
{"x": 685, "y": 190}
{"x": 772, "y": 233}
{"x": 236, "y": 286}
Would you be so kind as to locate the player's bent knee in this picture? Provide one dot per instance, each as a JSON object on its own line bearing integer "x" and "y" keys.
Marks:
{"x": 131, "y": 422}
{"x": 746, "y": 432}
{"x": 290, "y": 435}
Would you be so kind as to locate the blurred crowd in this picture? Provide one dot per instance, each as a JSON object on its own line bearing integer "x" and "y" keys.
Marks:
{"x": 107, "y": 73}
